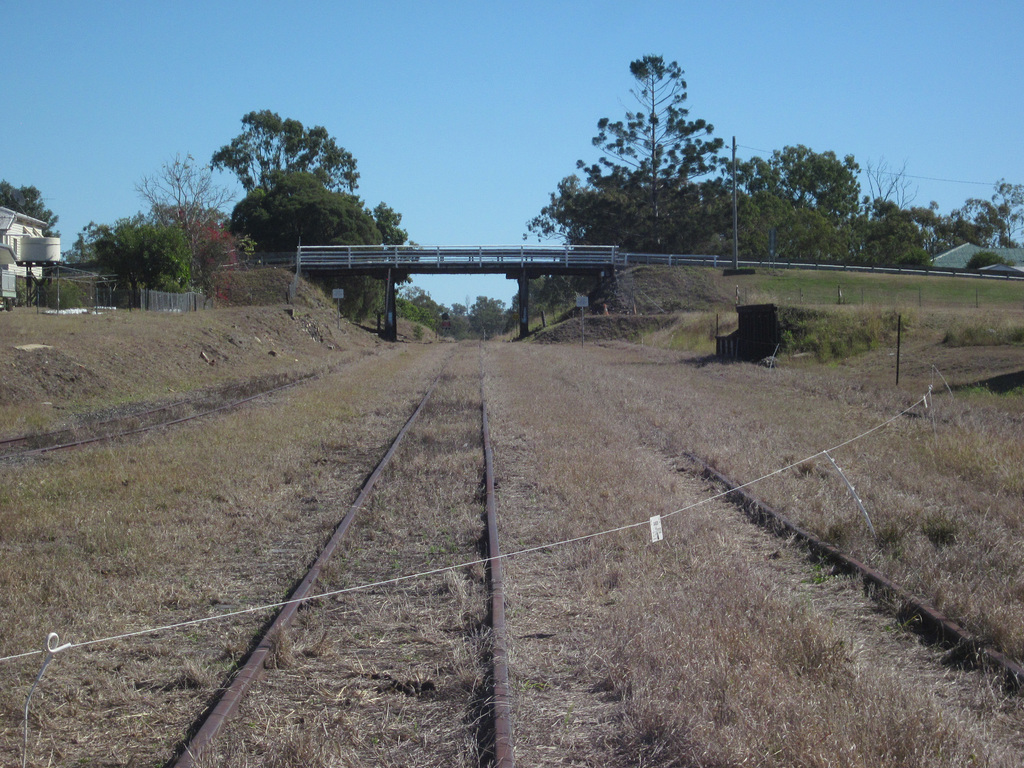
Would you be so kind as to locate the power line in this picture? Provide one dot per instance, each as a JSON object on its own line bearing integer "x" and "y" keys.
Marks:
{"x": 932, "y": 178}
{"x": 894, "y": 173}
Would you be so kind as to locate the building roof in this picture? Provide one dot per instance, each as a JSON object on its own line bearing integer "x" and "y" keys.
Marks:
{"x": 1003, "y": 269}
{"x": 959, "y": 256}
{"x": 8, "y": 217}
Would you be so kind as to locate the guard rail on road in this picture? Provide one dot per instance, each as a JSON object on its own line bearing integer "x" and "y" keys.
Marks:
{"x": 468, "y": 258}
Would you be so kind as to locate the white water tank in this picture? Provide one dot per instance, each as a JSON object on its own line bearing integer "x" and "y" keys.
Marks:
{"x": 39, "y": 249}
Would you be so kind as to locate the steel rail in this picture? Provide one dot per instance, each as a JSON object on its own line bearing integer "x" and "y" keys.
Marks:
{"x": 159, "y": 425}
{"x": 924, "y": 619}
{"x": 252, "y": 668}
{"x": 14, "y": 441}
{"x": 503, "y": 752}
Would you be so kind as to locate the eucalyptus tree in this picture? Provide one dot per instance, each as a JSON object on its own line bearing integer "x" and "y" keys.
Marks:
{"x": 388, "y": 220}
{"x": 604, "y": 211}
{"x": 808, "y": 179}
{"x": 29, "y": 201}
{"x": 297, "y": 208}
{"x": 269, "y": 144}
{"x": 487, "y": 317}
{"x": 999, "y": 221}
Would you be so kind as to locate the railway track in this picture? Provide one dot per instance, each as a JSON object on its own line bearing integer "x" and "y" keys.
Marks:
{"x": 962, "y": 646}
{"x": 620, "y": 644}
{"x": 491, "y": 719}
{"x": 139, "y": 421}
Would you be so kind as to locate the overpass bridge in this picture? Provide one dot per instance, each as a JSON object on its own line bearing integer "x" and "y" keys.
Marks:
{"x": 394, "y": 263}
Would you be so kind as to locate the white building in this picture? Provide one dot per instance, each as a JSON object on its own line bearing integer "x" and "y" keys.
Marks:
{"x": 22, "y": 243}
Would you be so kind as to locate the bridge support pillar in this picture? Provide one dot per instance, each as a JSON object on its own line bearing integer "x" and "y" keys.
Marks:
{"x": 390, "y": 332}
{"x": 524, "y": 305}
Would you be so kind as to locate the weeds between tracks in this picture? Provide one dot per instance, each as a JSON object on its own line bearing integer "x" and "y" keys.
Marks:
{"x": 397, "y": 674}
{"x": 715, "y": 646}
{"x": 195, "y": 522}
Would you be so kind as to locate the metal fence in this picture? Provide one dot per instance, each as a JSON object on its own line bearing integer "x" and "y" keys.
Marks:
{"x": 270, "y": 259}
{"x": 160, "y": 301}
{"x": 413, "y": 256}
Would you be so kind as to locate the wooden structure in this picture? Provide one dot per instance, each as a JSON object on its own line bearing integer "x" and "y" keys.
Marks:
{"x": 757, "y": 337}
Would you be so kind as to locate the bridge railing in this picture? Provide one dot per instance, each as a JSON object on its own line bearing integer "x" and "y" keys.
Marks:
{"x": 361, "y": 256}
{"x": 465, "y": 257}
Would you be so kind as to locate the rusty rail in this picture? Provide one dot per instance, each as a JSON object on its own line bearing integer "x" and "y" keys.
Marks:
{"x": 15, "y": 441}
{"x": 252, "y": 669}
{"x": 503, "y": 753}
{"x": 924, "y": 619}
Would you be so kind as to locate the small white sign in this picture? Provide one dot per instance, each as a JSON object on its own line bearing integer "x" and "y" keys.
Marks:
{"x": 656, "y": 533}
{"x": 582, "y": 301}
{"x": 338, "y": 293}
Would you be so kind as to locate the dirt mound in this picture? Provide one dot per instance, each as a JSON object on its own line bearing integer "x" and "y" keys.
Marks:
{"x": 654, "y": 290}
{"x": 58, "y": 367}
{"x": 603, "y": 328}
{"x": 639, "y": 300}
{"x": 43, "y": 373}
{"x": 265, "y": 286}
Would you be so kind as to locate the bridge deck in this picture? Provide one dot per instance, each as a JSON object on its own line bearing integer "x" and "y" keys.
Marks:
{"x": 508, "y": 259}
{"x": 453, "y": 258}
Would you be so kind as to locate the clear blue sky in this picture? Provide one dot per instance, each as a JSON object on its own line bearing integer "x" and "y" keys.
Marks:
{"x": 464, "y": 116}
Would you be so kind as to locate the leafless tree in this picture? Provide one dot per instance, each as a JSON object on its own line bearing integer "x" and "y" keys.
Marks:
{"x": 183, "y": 194}
{"x": 889, "y": 184}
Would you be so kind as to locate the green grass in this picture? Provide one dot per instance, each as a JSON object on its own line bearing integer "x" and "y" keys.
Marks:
{"x": 815, "y": 287}
{"x": 837, "y": 334}
{"x": 984, "y": 332}
{"x": 834, "y": 314}
{"x": 692, "y": 332}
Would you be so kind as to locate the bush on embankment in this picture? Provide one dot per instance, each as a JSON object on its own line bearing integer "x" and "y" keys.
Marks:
{"x": 836, "y": 334}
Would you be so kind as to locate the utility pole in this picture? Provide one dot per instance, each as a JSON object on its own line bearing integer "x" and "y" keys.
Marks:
{"x": 735, "y": 216}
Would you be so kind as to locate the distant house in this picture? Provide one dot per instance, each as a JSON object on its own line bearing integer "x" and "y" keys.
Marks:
{"x": 959, "y": 256}
{"x": 1003, "y": 269}
{"x": 22, "y": 240}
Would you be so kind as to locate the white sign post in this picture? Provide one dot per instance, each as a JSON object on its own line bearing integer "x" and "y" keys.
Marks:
{"x": 582, "y": 302}
{"x": 338, "y": 294}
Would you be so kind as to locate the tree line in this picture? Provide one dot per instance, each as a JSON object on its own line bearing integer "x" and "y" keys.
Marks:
{"x": 300, "y": 186}
{"x": 663, "y": 185}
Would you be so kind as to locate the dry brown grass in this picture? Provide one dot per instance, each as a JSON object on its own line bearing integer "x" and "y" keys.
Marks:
{"x": 92, "y": 362}
{"x": 201, "y": 520}
{"x": 403, "y": 673}
{"x": 714, "y": 647}
{"x": 717, "y": 646}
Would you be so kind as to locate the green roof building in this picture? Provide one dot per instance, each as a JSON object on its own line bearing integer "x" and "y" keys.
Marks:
{"x": 959, "y": 256}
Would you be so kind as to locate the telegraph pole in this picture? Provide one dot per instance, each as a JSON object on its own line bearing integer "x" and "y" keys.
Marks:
{"x": 735, "y": 215}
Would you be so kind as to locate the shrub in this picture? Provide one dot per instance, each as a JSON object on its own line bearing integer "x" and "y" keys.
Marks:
{"x": 983, "y": 333}
{"x": 986, "y": 259}
{"x": 834, "y": 335}
{"x": 417, "y": 314}
{"x": 72, "y": 295}
{"x": 916, "y": 256}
